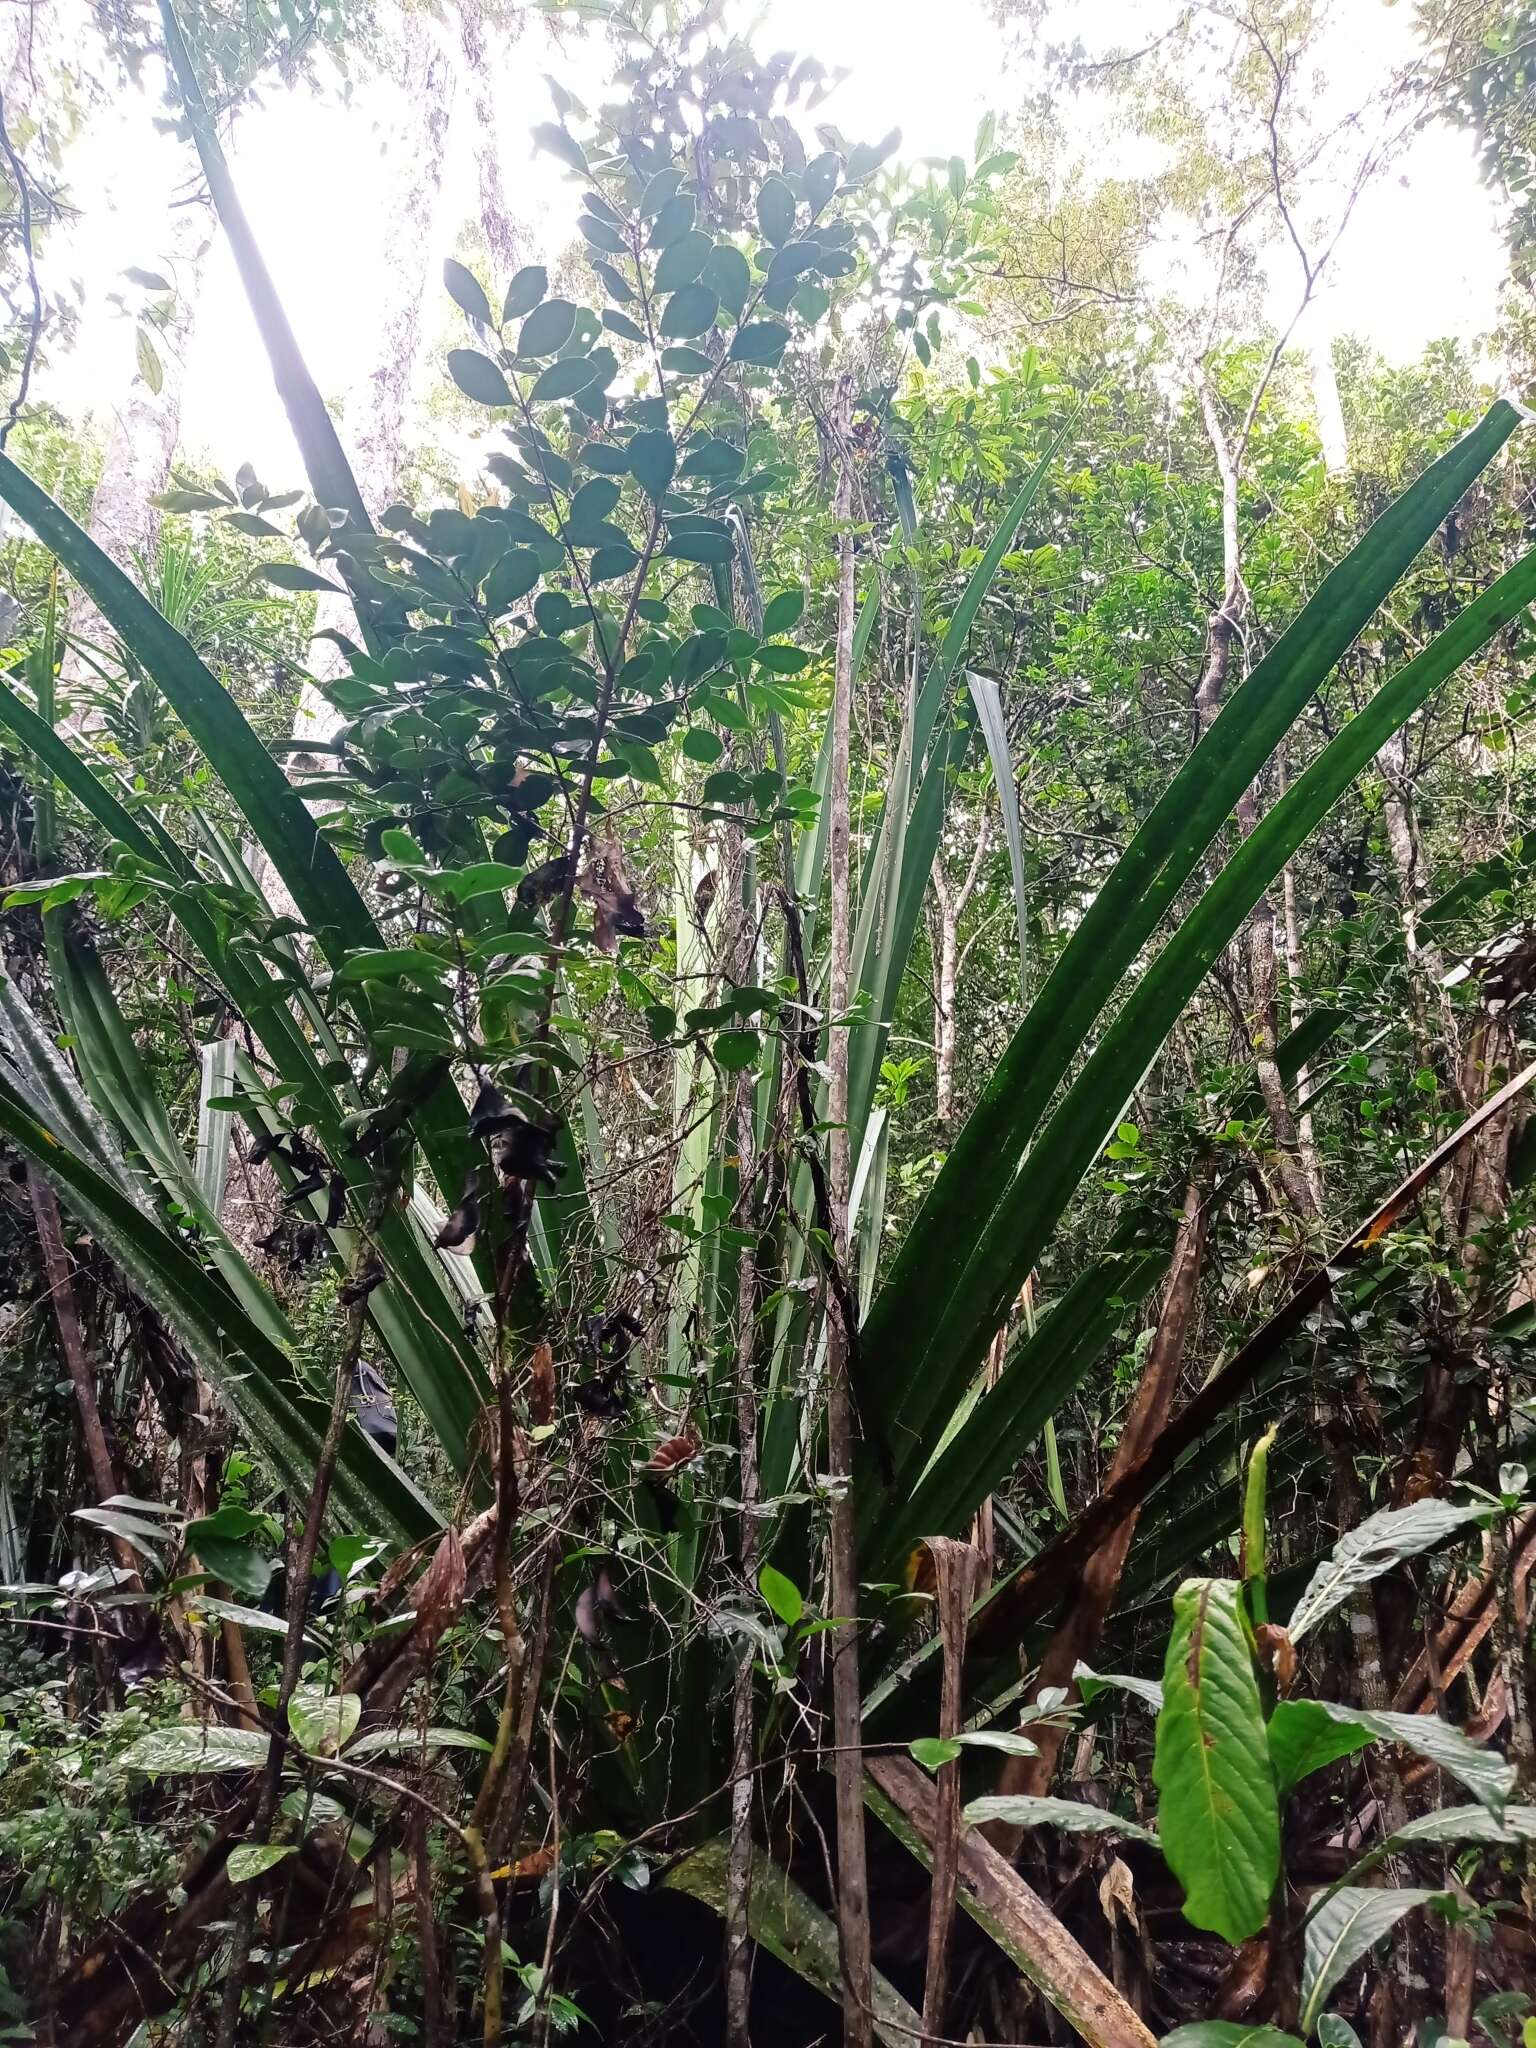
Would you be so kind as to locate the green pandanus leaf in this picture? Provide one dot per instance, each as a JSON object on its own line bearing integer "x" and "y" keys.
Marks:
{"x": 987, "y": 1218}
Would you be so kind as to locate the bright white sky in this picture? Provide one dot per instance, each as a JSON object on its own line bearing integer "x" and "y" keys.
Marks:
{"x": 1421, "y": 258}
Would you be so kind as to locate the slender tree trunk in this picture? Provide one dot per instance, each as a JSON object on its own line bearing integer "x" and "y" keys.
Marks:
{"x": 852, "y": 1875}
{"x": 738, "y": 1948}
{"x": 946, "y": 964}
{"x": 1476, "y": 1198}
{"x": 957, "y": 1569}
{"x": 950, "y": 904}
{"x": 1306, "y": 1136}
{"x": 66, "y": 1315}
{"x": 1301, "y": 1193}
{"x": 503, "y": 240}
{"x": 1331, "y": 428}
{"x": 376, "y": 408}
{"x": 136, "y": 462}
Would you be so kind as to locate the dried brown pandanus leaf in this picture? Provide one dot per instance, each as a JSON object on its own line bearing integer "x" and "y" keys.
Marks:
{"x": 615, "y": 912}
{"x": 440, "y": 1595}
{"x": 672, "y": 1455}
{"x": 458, "y": 1233}
{"x": 541, "y": 1385}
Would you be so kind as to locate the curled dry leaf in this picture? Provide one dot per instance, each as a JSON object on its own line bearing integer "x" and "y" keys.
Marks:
{"x": 1117, "y": 1893}
{"x": 440, "y": 1594}
{"x": 615, "y": 912}
{"x": 458, "y": 1233}
{"x": 1277, "y": 1653}
{"x": 672, "y": 1455}
{"x": 541, "y": 1385}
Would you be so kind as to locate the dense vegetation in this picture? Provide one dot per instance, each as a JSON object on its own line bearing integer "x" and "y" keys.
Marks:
{"x": 767, "y": 1224}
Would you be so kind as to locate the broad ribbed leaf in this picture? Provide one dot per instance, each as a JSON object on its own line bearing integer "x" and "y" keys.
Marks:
{"x": 408, "y": 1741}
{"x": 1218, "y": 1817}
{"x": 1333, "y": 2031}
{"x": 982, "y": 1226}
{"x": 1072, "y": 1815}
{"x": 1089, "y": 1683}
{"x": 1380, "y": 1542}
{"x": 1465, "y": 1824}
{"x": 1444, "y": 1828}
{"x": 250, "y": 1859}
{"x": 200, "y": 1746}
{"x": 323, "y": 1720}
{"x": 1345, "y": 1927}
{"x": 1304, "y": 1737}
{"x": 1483, "y": 1771}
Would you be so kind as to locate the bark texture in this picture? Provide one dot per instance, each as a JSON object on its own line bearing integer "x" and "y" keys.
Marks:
{"x": 852, "y": 1874}
{"x": 376, "y": 409}
{"x": 136, "y": 462}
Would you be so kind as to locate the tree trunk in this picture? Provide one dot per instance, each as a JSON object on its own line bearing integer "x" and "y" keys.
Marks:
{"x": 66, "y": 1315}
{"x": 948, "y": 958}
{"x": 741, "y": 880}
{"x": 852, "y": 1874}
{"x": 503, "y": 241}
{"x": 375, "y": 409}
{"x": 136, "y": 462}
{"x": 946, "y": 973}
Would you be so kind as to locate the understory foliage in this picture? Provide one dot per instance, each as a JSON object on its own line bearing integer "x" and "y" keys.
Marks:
{"x": 766, "y": 1236}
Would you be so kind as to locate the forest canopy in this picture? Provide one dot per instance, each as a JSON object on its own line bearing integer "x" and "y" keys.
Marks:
{"x": 767, "y": 1255}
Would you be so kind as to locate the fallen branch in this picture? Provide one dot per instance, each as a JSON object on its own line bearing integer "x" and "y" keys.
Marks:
{"x": 1015, "y": 1915}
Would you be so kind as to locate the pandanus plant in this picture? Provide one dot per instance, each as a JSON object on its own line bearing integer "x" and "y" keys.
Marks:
{"x": 413, "y": 1059}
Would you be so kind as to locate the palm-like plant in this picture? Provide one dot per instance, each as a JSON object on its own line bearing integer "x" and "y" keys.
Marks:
{"x": 518, "y": 666}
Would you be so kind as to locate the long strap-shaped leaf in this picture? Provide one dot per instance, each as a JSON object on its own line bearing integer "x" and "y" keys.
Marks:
{"x": 118, "y": 1082}
{"x": 1036, "y": 1199}
{"x": 1040, "y": 1373}
{"x": 231, "y": 1351}
{"x": 280, "y": 822}
{"x": 1034, "y": 1589}
{"x": 963, "y": 1247}
{"x": 897, "y": 872}
{"x": 276, "y": 813}
{"x": 895, "y": 878}
{"x": 425, "y": 1338}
